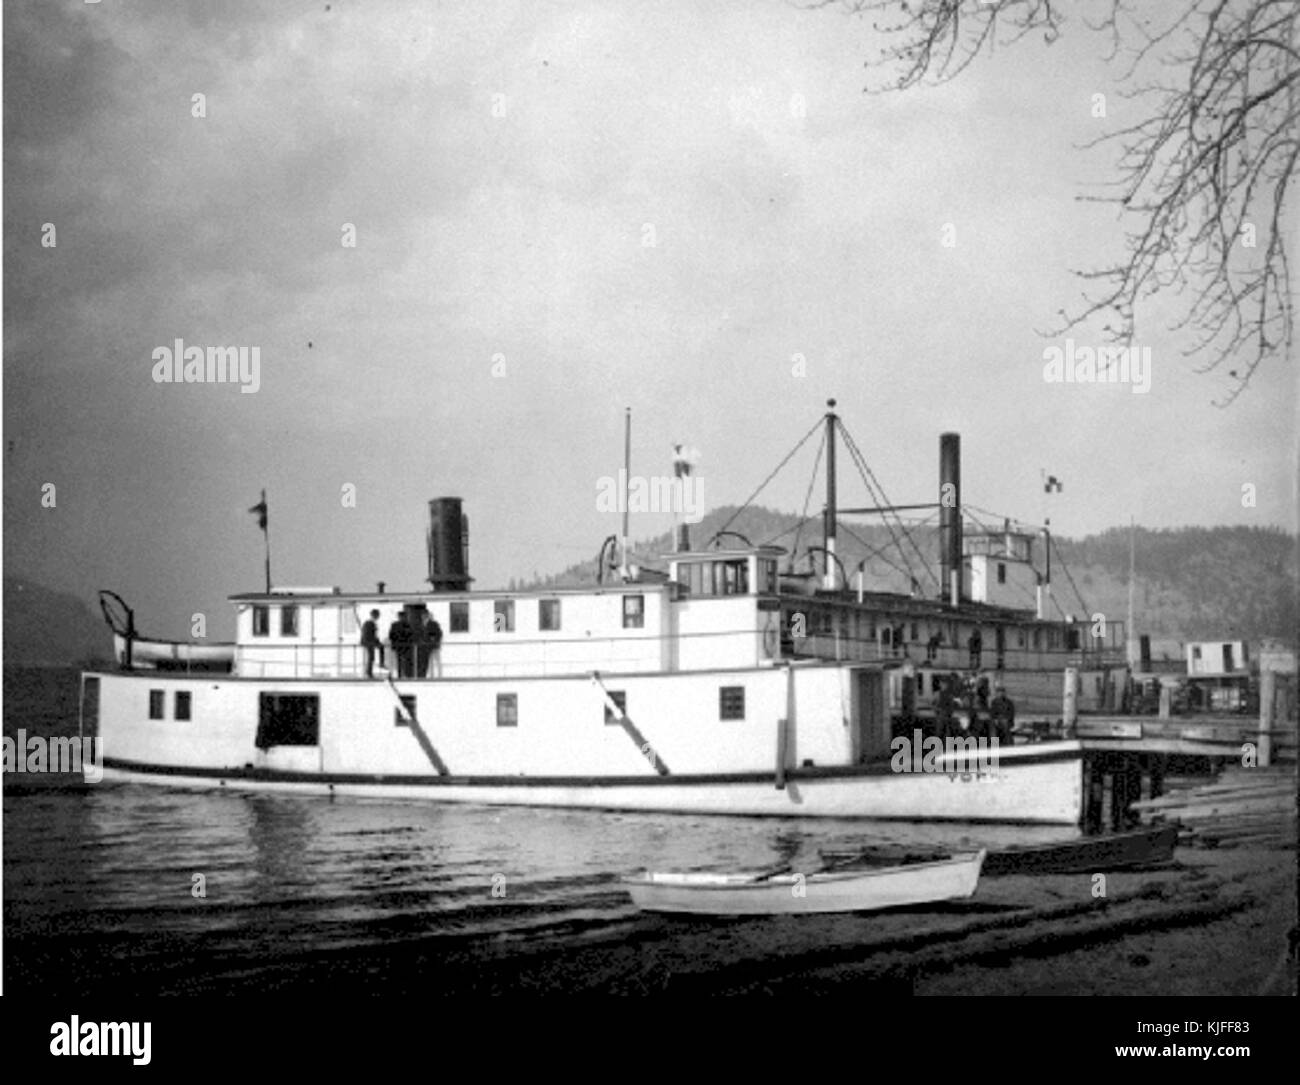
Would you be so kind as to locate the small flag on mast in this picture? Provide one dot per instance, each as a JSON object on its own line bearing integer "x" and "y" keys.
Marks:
{"x": 260, "y": 509}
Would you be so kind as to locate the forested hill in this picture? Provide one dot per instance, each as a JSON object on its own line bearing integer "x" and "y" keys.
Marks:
{"x": 50, "y": 628}
{"x": 1193, "y": 583}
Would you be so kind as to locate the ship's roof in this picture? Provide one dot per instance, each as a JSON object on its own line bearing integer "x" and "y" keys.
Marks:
{"x": 424, "y": 595}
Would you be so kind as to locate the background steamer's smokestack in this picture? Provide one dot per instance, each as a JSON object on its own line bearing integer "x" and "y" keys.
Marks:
{"x": 448, "y": 545}
{"x": 950, "y": 543}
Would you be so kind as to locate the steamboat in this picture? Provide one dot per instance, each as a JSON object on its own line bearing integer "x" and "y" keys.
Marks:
{"x": 720, "y": 683}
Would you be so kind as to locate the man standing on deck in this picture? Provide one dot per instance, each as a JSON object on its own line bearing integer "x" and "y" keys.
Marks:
{"x": 1003, "y": 714}
{"x": 399, "y": 639}
{"x": 371, "y": 643}
{"x": 433, "y": 635}
{"x": 944, "y": 703}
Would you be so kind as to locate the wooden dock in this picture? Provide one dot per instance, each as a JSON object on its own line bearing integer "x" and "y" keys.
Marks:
{"x": 1127, "y": 758}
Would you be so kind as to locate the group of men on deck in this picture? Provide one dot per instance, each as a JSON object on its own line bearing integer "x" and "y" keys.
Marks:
{"x": 963, "y": 707}
{"x": 416, "y": 644}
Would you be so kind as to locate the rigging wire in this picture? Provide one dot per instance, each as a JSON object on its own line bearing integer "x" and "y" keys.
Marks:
{"x": 1070, "y": 577}
{"x": 789, "y": 455}
{"x": 878, "y": 552}
{"x": 812, "y": 480}
{"x": 868, "y": 476}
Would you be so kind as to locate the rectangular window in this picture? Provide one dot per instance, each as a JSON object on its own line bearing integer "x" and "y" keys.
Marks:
{"x": 507, "y": 710}
{"x": 548, "y": 615}
{"x": 289, "y": 621}
{"x": 731, "y": 702}
{"x": 181, "y": 709}
{"x": 287, "y": 719}
{"x": 402, "y": 717}
{"x": 157, "y": 704}
{"x": 914, "y": 636}
{"x": 348, "y": 622}
{"x": 1002, "y": 572}
{"x": 634, "y": 612}
{"x": 503, "y": 620}
{"x": 619, "y": 697}
{"x": 458, "y": 618}
{"x": 769, "y": 577}
{"x": 261, "y": 621}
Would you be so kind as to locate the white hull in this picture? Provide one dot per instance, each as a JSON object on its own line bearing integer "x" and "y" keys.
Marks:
{"x": 1032, "y": 784}
{"x": 798, "y": 894}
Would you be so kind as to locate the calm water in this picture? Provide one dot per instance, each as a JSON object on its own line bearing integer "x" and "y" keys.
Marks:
{"x": 98, "y": 879}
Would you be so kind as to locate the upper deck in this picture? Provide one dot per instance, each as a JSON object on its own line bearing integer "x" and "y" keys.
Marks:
{"x": 717, "y": 609}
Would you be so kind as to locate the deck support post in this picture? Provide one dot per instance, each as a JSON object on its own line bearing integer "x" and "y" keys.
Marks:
{"x": 1267, "y": 712}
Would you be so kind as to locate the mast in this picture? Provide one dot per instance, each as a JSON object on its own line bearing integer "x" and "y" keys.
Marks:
{"x": 831, "y": 579}
{"x": 1130, "y": 641}
{"x": 627, "y": 481}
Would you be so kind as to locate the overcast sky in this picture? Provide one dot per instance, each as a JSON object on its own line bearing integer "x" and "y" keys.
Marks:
{"x": 505, "y": 166}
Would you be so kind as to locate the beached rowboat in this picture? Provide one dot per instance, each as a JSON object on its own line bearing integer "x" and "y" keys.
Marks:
{"x": 793, "y": 894}
{"x": 1118, "y": 851}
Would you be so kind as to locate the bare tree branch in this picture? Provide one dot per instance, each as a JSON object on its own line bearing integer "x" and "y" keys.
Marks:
{"x": 1203, "y": 179}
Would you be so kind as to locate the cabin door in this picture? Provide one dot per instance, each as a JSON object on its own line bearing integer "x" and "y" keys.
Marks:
{"x": 870, "y": 721}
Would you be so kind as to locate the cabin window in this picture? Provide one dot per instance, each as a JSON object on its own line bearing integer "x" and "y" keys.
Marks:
{"x": 289, "y": 621}
{"x": 1020, "y": 638}
{"x": 1196, "y": 651}
{"x": 1002, "y": 572}
{"x": 181, "y": 706}
{"x": 503, "y": 619}
{"x": 261, "y": 621}
{"x": 633, "y": 611}
{"x": 288, "y": 719}
{"x": 157, "y": 704}
{"x": 507, "y": 710}
{"x": 619, "y": 697}
{"x": 347, "y": 621}
{"x": 731, "y": 702}
{"x": 769, "y": 577}
{"x": 458, "y": 617}
{"x": 548, "y": 614}
{"x": 403, "y": 716}
{"x": 914, "y": 636}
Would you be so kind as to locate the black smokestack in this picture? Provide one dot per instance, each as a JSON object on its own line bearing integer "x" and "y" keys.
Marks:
{"x": 448, "y": 533}
{"x": 950, "y": 544}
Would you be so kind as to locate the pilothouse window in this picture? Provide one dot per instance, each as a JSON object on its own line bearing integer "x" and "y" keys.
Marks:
{"x": 459, "y": 617}
{"x": 289, "y": 621}
{"x": 633, "y": 611}
{"x": 548, "y": 614}
{"x": 261, "y": 621}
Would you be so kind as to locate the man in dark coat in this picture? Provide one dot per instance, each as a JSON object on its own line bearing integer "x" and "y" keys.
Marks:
{"x": 399, "y": 638}
{"x": 1003, "y": 714}
{"x": 371, "y": 643}
{"x": 944, "y": 703}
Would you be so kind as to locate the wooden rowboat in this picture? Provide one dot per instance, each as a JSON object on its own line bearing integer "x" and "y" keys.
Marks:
{"x": 1097, "y": 854}
{"x": 822, "y": 891}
